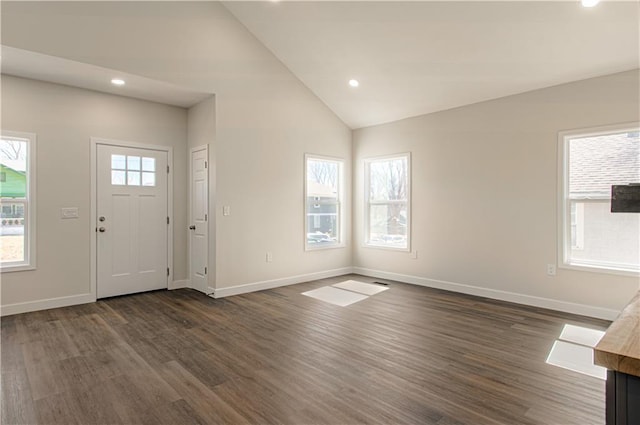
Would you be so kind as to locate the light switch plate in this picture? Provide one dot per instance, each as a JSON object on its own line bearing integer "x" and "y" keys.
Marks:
{"x": 226, "y": 210}
{"x": 69, "y": 213}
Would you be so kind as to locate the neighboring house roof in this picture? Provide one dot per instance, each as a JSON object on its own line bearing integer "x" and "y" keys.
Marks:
{"x": 320, "y": 190}
{"x": 19, "y": 165}
{"x": 13, "y": 183}
{"x": 598, "y": 162}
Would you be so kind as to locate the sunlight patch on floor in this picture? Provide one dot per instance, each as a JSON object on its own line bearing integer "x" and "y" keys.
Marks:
{"x": 360, "y": 287}
{"x": 574, "y": 351}
{"x": 345, "y": 293}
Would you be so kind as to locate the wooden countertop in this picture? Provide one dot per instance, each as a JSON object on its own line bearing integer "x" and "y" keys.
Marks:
{"x": 619, "y": 349}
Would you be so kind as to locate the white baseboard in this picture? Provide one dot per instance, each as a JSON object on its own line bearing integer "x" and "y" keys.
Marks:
{"x": 565, "y": 306}
{"x": 10, "y": 309}
{"x": 568, "y": 307}
{"x": 178, "y": 284}
{"x": 275, "y": 283}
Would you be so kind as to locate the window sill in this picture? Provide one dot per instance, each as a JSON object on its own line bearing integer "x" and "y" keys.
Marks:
{"x": 16, "y": 268}
{"x": 387, "y": 248}
{"x": 594, "y": 268}
{"x": 322, "y": 248}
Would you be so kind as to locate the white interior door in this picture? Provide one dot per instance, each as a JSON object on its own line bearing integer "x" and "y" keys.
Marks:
{"x": 132, "y": 220}
{"x": 199, "y": 227}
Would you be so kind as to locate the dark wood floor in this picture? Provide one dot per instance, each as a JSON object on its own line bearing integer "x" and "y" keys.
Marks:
{"x": 410, "y": 355}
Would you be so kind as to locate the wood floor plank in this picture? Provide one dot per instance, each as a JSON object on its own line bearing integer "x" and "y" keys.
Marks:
{"x": 58, "y": 409}
{"x": 204, "y": 401}
{"x": 178, "y": 412}
{"x": 11, "y": 353}
{"x": 408, "y": 355}
{"x": 42, "y": 380}
{"x": 17, "y": 403}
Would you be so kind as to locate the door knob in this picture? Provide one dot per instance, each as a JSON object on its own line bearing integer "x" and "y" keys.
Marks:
{"x": 102, "y": 230}
{"x": 192, "y": 227}
{"x": 102, "y": 218}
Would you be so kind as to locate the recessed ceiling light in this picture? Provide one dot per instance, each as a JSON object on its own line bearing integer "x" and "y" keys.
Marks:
{"x": 117, "y": 82}
{"x": 354, "y": 83}
{"x": 590, "y": 3}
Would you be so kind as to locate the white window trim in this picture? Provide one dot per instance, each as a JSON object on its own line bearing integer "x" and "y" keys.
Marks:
{"x": 579, "y": 227}
{"x": 29, "y": 262}
{"x": 368, "y": 202}
{"x": 563, "y": 202}
{"x": 341, "y": 219}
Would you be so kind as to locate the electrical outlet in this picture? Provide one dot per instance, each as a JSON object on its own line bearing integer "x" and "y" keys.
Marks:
{"x": 551, "y": 269}
{"x": 414, "y": 255}
{"x": 269, "y": 257}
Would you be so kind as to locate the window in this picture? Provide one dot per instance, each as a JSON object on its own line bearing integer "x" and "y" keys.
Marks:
{"x": 577, "y": 225}
{"x": 133, "y": 171}
{"x": 387, "y": 206}
{"x": 17, "y": 198}
{"x": 591, "y": 236}
{"x": 323, "y": 202}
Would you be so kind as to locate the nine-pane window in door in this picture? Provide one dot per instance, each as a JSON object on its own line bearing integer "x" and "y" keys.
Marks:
{"x": 592, "y": 236}
{"x": 129, "y": 170}
{"x": 323, "y": 202}
{"x": 387, "y": 201}
{"x": 17, "y": 201}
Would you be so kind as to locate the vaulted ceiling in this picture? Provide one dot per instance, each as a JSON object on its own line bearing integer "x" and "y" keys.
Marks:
{"x": 410, "y": 58}
{"x": 417, "y": 57}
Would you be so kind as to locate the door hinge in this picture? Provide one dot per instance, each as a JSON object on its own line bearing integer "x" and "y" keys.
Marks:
{"x": 168, "y": 271}
{"x": 205, "y": 270}
{"x": 205, "y": 164}
{"x": 205, "y": 217}
{"x": 167, "y": 220}
{"x": 167, "y": 169}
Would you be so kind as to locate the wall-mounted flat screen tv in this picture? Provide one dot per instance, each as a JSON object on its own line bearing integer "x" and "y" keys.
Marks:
{"x": 625, "y": 198}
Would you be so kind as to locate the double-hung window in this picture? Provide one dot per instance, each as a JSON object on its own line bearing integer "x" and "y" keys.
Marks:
{"x": 591, "y": 161}
{"x": 387, "y": 202}
{"x": 323, "y": 202}
{"x": 17, "y": 201}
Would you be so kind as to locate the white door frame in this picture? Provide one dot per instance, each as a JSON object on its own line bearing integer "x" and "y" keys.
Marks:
{"x": 95, "y": 141}
{"x": 190, "y": 202}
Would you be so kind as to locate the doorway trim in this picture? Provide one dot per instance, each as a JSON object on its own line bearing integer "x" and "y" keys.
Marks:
{"x": 208, "y": 288}
{"x": 95, "y": 141}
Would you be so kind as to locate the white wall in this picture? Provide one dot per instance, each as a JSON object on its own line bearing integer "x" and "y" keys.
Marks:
{"x": 484, "y": 195}
{"x": 266, "y": 119}
{"x": 64, "y": 120}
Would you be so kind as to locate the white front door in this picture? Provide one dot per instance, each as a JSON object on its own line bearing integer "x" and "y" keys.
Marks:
{"x": 199, "y": 227}
{"x": 132, "y": 229}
